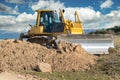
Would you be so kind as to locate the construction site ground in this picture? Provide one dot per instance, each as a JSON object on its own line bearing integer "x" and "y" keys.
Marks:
{"x": 18, "y": 61}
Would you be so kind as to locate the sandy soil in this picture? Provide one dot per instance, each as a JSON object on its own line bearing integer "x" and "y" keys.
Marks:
{"x": 16, "y": 76}
{"x": 22, "y": 55}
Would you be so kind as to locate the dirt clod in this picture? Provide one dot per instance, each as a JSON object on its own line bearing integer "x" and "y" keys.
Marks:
{"x": 112, "y": 50}
{"x": 43, "y": 67}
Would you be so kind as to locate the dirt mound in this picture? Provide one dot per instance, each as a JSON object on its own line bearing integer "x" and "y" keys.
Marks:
{"x": 22, "y": 55}
{"x": 16, "y": 76}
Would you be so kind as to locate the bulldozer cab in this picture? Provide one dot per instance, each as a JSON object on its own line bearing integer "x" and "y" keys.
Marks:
{"x": 50, "y": 22}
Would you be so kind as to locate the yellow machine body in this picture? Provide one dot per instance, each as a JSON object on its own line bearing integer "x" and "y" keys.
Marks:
{"x": 68, "y": 25}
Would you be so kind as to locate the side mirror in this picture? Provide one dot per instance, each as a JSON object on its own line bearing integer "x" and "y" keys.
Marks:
{"x": 63, "y": 10}
{"x": 30, "y": 25}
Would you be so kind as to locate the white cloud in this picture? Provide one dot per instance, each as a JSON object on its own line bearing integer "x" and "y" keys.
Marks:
{"x": 17, "y": 24}
{"x": 112, "y": 19}
{"x": 16, "y": 1}
{"x": 106, "y": 4}
{"x": 18, "y": 27}
{"x": 24, "y": 17}
{"x": 16, "y": 8}
{"x": 48, "y": 4}
{"x": 5, "y": 20}
{"x": 7, "y": 9}
{"x": 118, "y": 7}
{"x": 85, "y": 13}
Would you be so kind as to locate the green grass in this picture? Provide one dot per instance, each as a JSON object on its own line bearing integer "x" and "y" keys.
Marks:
{"x": 107, "y": 68}
{"x": 86, "y": 75}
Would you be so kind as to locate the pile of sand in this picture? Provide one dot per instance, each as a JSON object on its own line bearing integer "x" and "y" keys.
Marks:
{"x": 22, "y": 55}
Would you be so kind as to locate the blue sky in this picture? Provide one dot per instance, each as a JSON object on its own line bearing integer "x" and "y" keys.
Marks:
{"x": 24, "y": 5}
{"x": 15, "y": 15}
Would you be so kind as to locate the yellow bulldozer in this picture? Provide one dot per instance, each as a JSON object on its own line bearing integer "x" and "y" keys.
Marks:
{"x": 51, "y": 27}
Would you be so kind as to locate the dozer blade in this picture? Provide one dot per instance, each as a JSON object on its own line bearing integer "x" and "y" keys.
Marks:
{"x": 94, "y": 44}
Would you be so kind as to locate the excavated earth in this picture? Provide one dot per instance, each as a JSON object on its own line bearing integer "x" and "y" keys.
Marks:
{"x": 22, "y": 55}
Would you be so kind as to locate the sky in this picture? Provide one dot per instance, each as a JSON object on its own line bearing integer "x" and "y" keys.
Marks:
{"x": 16, "y": 15}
